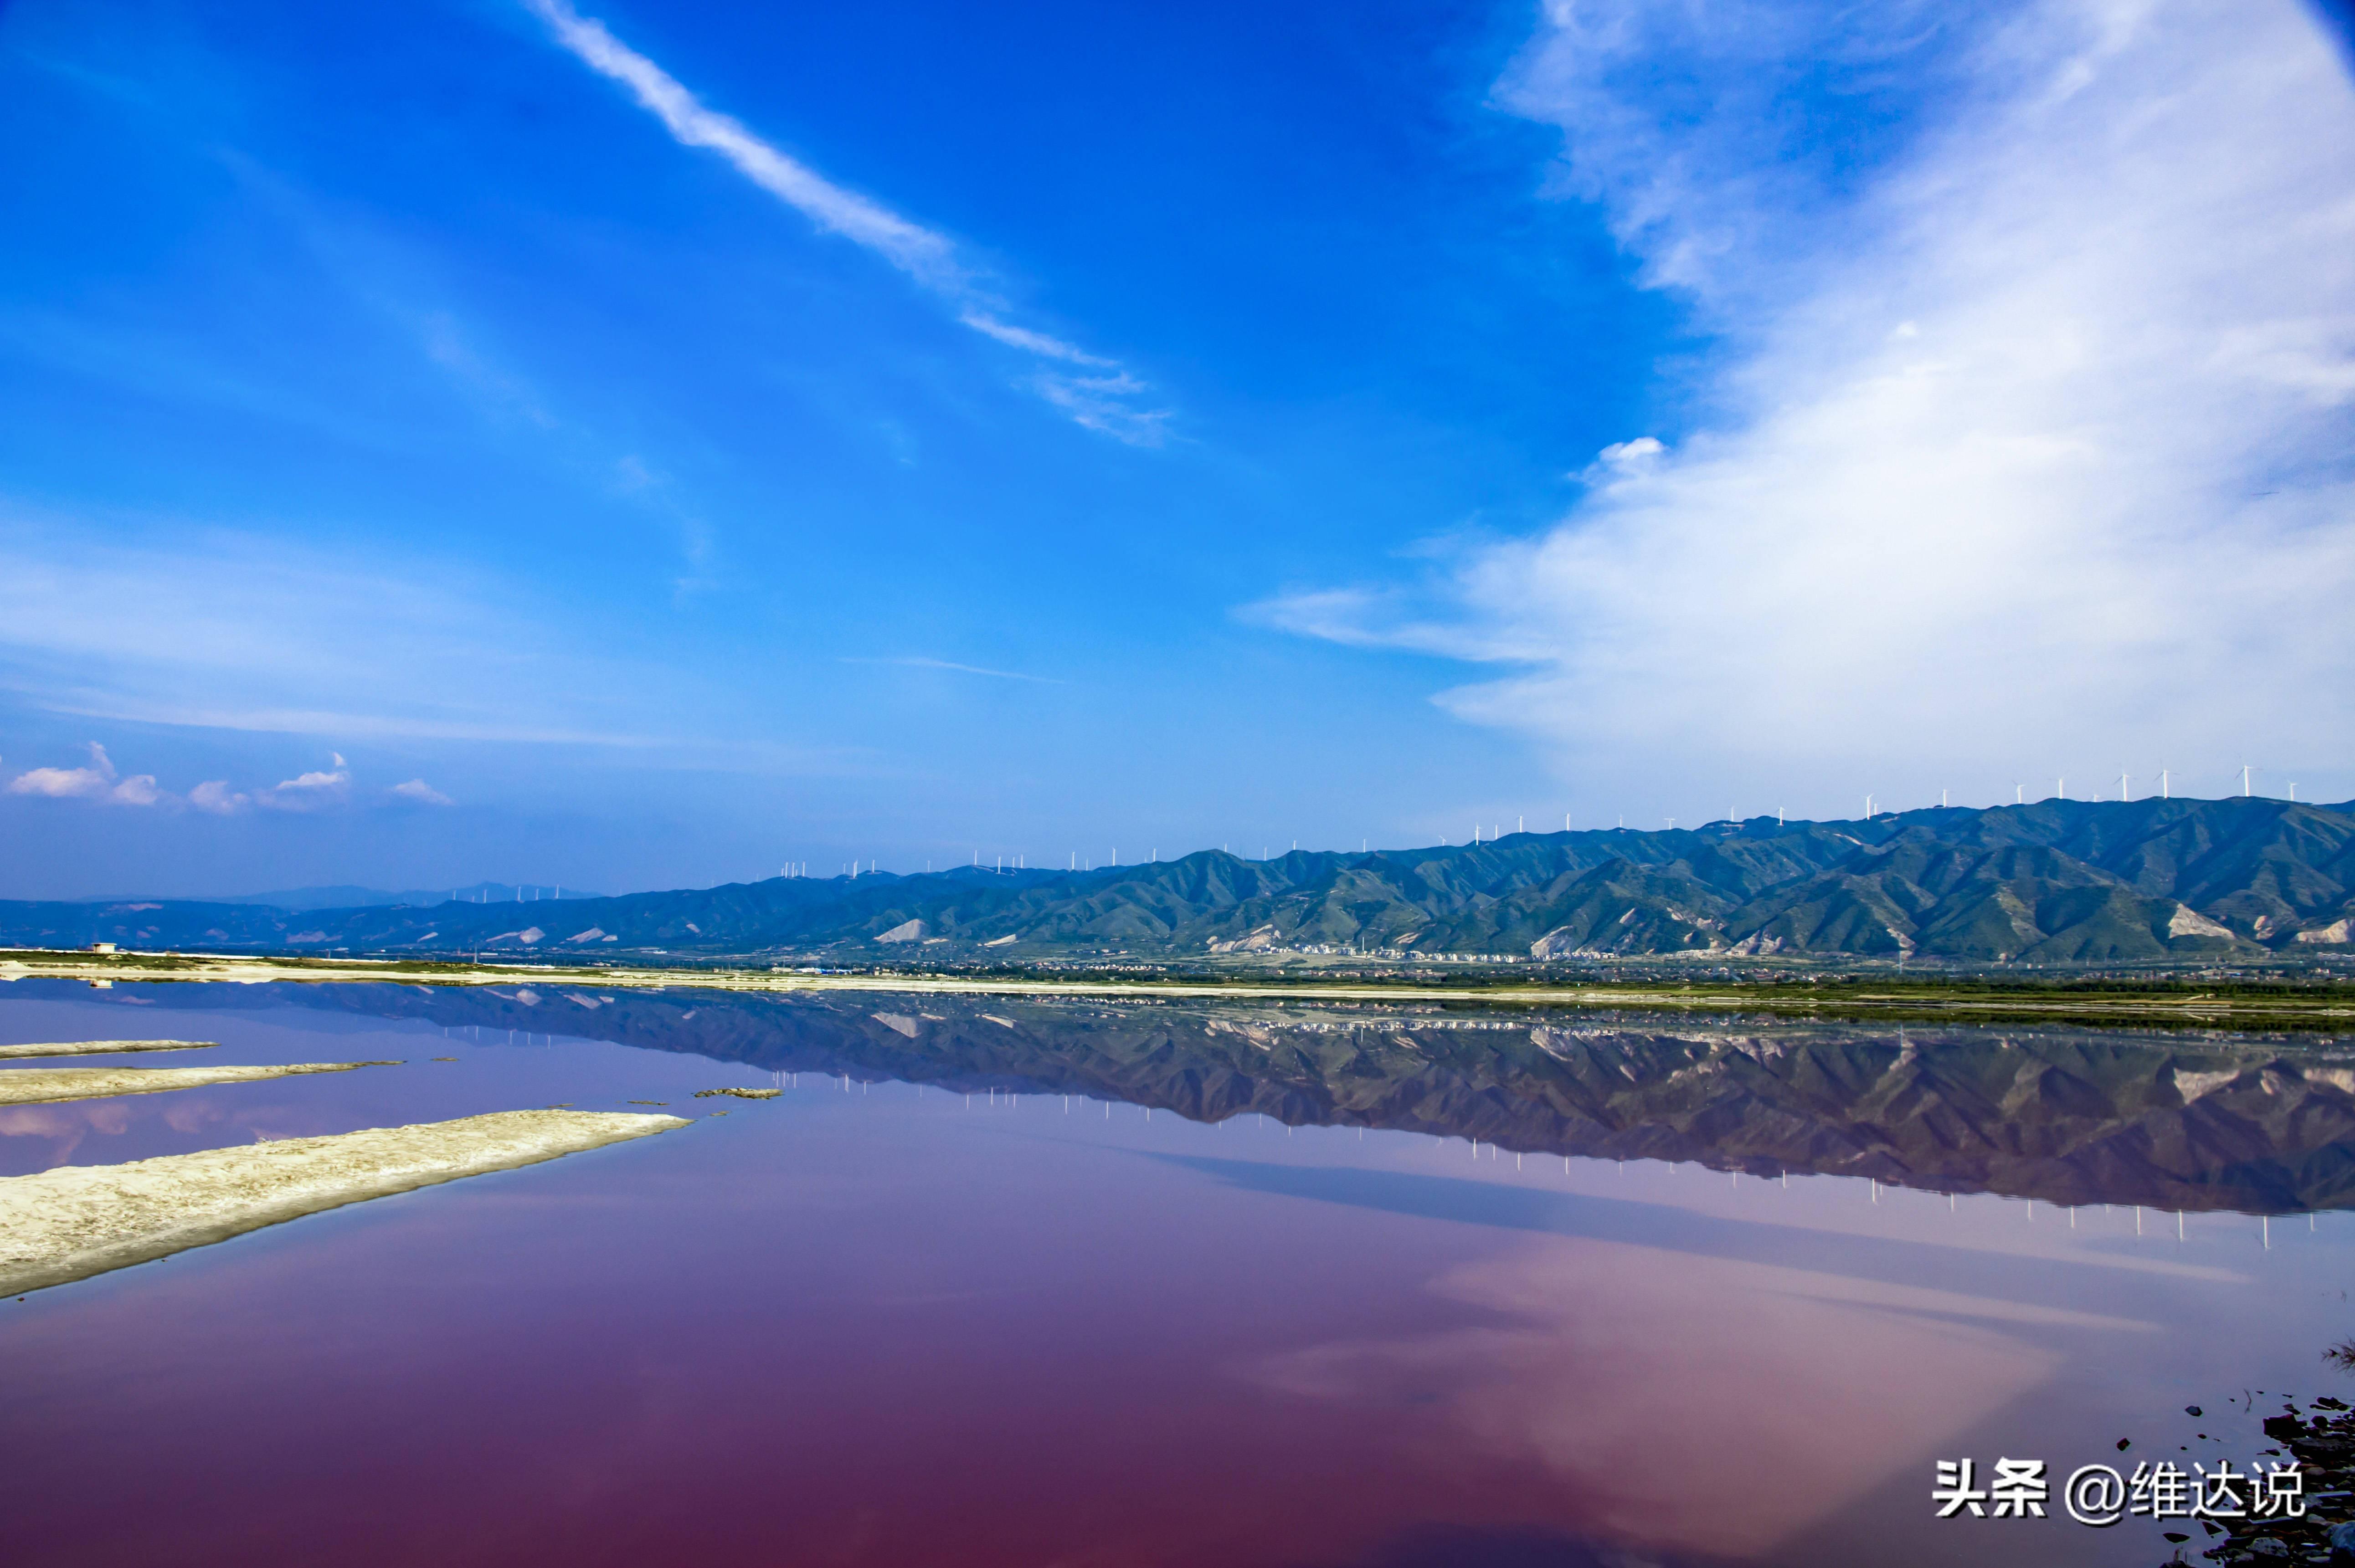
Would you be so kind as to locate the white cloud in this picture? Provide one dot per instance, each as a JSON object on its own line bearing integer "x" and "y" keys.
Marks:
{"x": 2032, "y": 448}
{"x": 923, "y": 255}
{"x": 928, "y": 257}
{"x": 313, "y": 792}
{"x": 98, "y": 781}
{"x": 139, "y": 789}
{"x": 1037, "y": 342}
{"x": 61, "y": 783}
{"x": 1100, "y": 403}
{"x": 213, "y": 795}
{"x": 420, "y": 792}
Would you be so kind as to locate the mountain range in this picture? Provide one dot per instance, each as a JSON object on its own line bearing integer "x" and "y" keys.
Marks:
{"x": 344, "y": 896}
{"x": 2059, "y": 882}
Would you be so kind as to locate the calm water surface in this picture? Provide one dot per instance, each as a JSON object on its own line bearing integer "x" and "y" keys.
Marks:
{"x": 986, "y": 1286}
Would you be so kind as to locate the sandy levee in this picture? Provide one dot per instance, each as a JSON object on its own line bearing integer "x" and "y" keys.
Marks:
{"x": 31, "y": 1085}
{"x": 79, "y": 1220}
{"x": 102, "y": 1047}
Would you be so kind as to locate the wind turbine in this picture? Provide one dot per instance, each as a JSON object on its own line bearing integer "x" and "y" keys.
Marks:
{"x": 2018, "y": 793}
{"x": 2245, "y": 771}
{"x": 2162, "y": 784}
{"x": 2124, "y": 779}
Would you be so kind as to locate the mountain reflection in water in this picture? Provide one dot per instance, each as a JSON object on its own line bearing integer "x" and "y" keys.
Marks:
{"x": 2175, "y": 1121}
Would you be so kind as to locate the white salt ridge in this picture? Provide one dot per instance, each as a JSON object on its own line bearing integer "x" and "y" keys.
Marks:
{"x": 101, "y": 1047}
{"x": 81, "y": 1220}
{"x": 35, "y": 1085}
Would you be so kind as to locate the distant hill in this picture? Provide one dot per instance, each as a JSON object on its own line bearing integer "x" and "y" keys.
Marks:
{"x": 345, "y": 896}
{"x": 2057, "y": 881}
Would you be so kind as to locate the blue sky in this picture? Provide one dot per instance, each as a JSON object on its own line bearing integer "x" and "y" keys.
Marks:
{"x": 634, "y": 446}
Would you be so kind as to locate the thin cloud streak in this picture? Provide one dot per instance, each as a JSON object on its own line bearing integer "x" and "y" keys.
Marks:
{"x": 922, "y": 254}
{"x": 2030, "y": 455}
{"x": 682, "y": 750}
{"x": 147, "y": 621}
{"x": 925, "y": 255}
{"x": 1037, "y": 342}
{"x": 920, "y": 663}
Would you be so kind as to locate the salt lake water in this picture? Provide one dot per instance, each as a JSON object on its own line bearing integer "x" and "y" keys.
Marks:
{"x": 998, "y": 1282}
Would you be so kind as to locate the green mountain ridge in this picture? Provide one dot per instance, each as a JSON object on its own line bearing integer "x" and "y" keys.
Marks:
{"x": 2059, "y": 882}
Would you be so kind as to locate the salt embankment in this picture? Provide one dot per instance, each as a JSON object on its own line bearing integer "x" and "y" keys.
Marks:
{"x": 81, "y": 1220}
{"x": 33, "y": 1085}
{"x": 102, "y": 1047}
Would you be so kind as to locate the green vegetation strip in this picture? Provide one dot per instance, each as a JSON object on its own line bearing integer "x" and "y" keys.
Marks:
{"x": 81, "y": 1220}
{"x": 2322, "y": 1006}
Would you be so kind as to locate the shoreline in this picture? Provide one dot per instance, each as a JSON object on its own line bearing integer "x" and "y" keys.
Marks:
{"x": 2324, "y": 1012}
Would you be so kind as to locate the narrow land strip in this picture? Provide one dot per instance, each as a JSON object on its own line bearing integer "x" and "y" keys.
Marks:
{"x": 36, "y": 1086}
{"x": 2331, "y": 1008}
{"x": 102, "y": 1047}
{"x": 81, "y": 1220}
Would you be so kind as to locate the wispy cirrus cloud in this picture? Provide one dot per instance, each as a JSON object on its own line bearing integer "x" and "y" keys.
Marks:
{"x": 2026, "y": 446}
{"x": 950, "y": 664}
{"x": 1108, "y": 403}
{"x": 157, "y": 620}
{"x": 161, "y": 620}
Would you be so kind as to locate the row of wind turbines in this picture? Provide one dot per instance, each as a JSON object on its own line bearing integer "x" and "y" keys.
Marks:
{"x": 1485, "y": 833}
